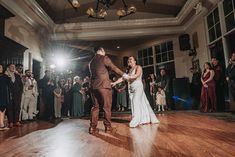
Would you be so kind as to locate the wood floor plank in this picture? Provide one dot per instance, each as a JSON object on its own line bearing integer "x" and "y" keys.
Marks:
{"x": 181, "y": 134}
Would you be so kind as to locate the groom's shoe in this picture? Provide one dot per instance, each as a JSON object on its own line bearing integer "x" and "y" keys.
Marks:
{"x": 93, "y": 131}
{"x": 110, "y": 130}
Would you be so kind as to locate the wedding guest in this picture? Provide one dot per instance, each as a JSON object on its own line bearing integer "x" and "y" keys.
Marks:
{"x": 195, "y": 87}
{"x": 208, "y": 95}
{"x": 16, "y": 89}
{"x": 230, "y": 75}
{"x": 152, "y": 90}
{"x": 67, "y": 105}
{"x": 4, "y": 97}
{"x": 164, "y": 81}
{"x": 77, "y": 106}
{"x": 57, "y": 100}
{"x": 219, "y": 83}
{"x": 29, "y": 94}
{"x": 160, "y": 98}
{"x": 121, "y": 96}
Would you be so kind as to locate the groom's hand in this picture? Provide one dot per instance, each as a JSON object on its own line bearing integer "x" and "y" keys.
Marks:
{"x": 113, "y": 84}
{"x": 125, "y": 76}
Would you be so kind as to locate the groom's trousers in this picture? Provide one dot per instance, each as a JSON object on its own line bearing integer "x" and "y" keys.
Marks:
{"x": 101, "y": 97}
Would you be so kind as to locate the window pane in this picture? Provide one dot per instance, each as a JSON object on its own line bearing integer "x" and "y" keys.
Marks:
{"x": 140, "y": 62}
{"x": 218, "y": 30}
{"x": 150, "y": 51}
{"x": 212, "y": 34}
{"x": 230, "y": 22}
{"x": 216, "y": 15}
{"x": 171, "y": 55}
{"x": 158, "y": 58}
{"x": 157, "y": 49}
{"x": 145, "y": 61}
{"x": 210, "y": 21}
{"x": 164, "y": 57}
{"x": 150, "y": 60}
{"x": 139, "y": 54}
{"x": 145, "y": 53}
{"x": 163, "y": 47}
{"x": 169, "y": 45}
{"x": 228, "y": 6}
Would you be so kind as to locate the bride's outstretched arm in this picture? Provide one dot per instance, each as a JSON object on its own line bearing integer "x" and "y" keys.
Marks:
{"x": 116, "y": 82}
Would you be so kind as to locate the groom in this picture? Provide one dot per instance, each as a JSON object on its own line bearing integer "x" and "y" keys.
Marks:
{"x": 101, "y": 92}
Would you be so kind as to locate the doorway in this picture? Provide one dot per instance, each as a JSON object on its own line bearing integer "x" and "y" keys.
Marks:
{"x": 36, "y": 69}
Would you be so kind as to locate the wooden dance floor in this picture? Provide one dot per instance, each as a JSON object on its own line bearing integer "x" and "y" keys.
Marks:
{"x": 180, "y": 134}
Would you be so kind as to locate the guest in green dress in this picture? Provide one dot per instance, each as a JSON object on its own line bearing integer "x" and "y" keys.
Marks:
{"x": 77, "y": 105}
{"x": 121, "y": 96}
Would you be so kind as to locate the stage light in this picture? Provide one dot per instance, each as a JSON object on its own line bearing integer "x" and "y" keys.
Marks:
{"x": 52, "y": 66}
{"x": 60, "y": 62}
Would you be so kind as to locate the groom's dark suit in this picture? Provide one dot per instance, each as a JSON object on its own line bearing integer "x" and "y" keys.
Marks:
{"x": 101, "y": 92}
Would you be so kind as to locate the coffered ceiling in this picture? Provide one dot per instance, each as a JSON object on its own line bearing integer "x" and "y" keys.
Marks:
{"x": 61, "y": 11}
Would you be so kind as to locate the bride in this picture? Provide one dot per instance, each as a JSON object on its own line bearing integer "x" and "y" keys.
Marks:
{"x": 142, "y": 113}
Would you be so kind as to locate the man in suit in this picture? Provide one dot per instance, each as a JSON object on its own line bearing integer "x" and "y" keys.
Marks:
{"x": 16, "y": 89}
{"x": 230, "y": 75}
{"x": 101, "y": 92}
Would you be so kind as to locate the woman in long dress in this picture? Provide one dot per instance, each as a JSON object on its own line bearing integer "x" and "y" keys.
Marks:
{"x": 77, "y": 106}
{"x": 208, "y": 95}
{"x": 142, "y": 112}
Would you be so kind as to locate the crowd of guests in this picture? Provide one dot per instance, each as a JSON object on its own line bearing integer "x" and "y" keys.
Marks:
{"x": 208, "y": 86}
{"x": 64, "y": 96}
{"x": 20, "y": 95}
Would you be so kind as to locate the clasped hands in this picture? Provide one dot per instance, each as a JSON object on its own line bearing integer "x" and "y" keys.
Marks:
{"x": 124, "y": 77}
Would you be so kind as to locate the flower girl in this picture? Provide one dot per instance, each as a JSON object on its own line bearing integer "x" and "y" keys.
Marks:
{"x": 161, "y": 98}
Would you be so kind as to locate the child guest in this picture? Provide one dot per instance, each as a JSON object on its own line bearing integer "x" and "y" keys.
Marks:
{"x": 161, "y": 98}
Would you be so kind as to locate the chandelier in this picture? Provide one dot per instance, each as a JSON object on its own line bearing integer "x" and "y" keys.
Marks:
{"x": 75, "y": 4}
{"x": 102, "y": 12}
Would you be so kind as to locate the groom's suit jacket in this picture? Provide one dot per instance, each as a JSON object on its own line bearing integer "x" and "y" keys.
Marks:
{"x": 99, "y": 69}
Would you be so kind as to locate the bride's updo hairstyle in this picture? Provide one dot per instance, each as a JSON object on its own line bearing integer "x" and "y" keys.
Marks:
{"x": 134, "y": 58}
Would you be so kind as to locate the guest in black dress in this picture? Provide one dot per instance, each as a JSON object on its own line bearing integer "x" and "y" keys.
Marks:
{"x": 4, "y": 97}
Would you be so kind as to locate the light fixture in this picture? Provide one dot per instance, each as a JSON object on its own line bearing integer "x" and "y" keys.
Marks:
{"x": 75, "y": 4}
{"x": 126, "y": 11}
{"x": 101, "y": 13}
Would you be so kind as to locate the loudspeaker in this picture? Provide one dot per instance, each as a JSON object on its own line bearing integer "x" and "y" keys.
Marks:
{"x": 125, "y": 59}
{"x": 181, "y": 90}
{"x": 184, "y": 41}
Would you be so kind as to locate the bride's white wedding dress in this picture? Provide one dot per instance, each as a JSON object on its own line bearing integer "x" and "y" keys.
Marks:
{"x": 142, "y": 112}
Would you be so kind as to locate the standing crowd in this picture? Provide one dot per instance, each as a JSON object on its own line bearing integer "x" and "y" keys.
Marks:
{"x": 20, "y": 96}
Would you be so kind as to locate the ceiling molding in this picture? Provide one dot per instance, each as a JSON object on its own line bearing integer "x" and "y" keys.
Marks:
{"x": 30, "y": 11}
{"x": 115, "y": 34}
{"x": 13, "y": 7}
{"x": 40, "y": 12}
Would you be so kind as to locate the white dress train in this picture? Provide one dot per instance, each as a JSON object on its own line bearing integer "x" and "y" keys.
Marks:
{"x": 141, "y": 110}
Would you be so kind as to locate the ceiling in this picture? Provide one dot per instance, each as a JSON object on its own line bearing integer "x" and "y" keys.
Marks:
{"x": 117, "y": 45}
{"x": 61, "y": 11}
